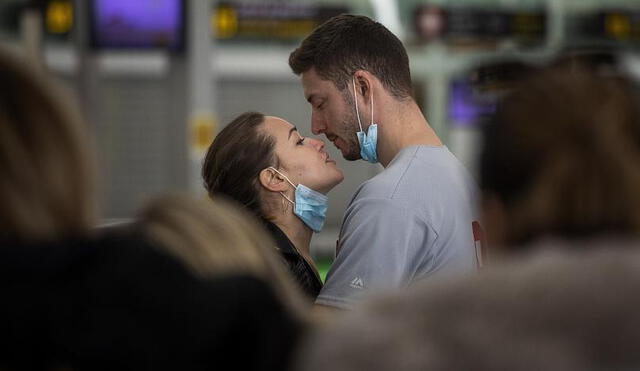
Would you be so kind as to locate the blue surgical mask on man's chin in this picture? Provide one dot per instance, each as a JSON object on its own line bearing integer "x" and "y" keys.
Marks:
{"x": 368, "y": 141}
{"x": 309, "y": 205}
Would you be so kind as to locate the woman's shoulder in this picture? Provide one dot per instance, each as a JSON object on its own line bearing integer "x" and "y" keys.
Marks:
{"x": 302, "y": 273}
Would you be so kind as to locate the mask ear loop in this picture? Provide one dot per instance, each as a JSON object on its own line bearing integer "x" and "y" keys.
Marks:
{"x": 355, "y": 97}
{"x": 371, "y": 95}
{"x": 284, "y": 176}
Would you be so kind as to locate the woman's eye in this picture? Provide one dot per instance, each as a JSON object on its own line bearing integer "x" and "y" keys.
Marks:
{"x": 300, "y": 141}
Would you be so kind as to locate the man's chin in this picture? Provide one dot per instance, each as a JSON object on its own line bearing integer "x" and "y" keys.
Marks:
{"x": 351, "y": 156}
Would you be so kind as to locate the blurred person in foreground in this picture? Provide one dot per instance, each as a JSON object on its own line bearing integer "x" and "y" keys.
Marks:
{"x": 412, "y": 220}
{"x": 264, "y": 164}
{"x": 565, "y": 152}
{"x": 561, "y": 310}
{"x": 73, "y": 299}
{"x": 561, "y": 163}
{"x": 254, "y": 316}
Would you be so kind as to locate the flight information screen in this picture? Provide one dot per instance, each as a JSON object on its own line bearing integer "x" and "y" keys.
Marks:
{"x": 466, "y": 107}
{"x": 523, "y": 28}
{"x": 476, "y": 95}
{"x": 270, "y": 20}
{"x": 137, "y": 24}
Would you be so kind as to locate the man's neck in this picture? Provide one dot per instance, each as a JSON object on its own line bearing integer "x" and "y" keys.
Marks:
{"x": 403, "y": 128}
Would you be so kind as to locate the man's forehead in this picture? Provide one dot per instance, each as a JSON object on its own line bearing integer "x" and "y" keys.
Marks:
{"x": 313, "y": 85}
{"x": 307, "y": 84}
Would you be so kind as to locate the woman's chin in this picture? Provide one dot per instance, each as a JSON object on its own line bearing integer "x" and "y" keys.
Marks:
{"x": 327, "y": 188}
{"x": 339, "y": 178}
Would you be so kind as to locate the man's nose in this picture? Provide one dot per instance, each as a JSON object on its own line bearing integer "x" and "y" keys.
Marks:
{"x": 317, "y": 124}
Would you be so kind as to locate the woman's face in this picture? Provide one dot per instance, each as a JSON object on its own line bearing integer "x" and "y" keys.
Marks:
{"x": 302, "y": 160}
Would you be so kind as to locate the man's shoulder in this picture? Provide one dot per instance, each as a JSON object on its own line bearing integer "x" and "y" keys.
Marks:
{"x": 415, "y": 167}
{"x": 384, "y": 184}
{"x": 427, "y": 183}
{"x": 379, "y": 187}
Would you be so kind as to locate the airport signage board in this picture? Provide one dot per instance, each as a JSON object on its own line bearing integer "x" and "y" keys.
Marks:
{"x": 472, "y": 25}
{"x": 265, "y": 20}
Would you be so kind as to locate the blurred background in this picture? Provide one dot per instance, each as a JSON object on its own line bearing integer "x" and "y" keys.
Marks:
{"x": 157, "y": 79}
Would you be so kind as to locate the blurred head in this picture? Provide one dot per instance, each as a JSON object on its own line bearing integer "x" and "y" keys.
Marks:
{"x": 562, "y": 158}
{"x": 215, "y": 239}
{"x": 45, "y": 178}
{"x": 545, "y": 312}
{"x": 344, "y": 51}
{"x": 238, "y": 162}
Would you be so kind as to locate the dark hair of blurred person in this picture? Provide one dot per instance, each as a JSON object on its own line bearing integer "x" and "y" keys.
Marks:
{"x": 259, "y": 162}
{"x": 46, "y": 182}
{"x": 559, "y": 310}
{"x": 561, "y": 159}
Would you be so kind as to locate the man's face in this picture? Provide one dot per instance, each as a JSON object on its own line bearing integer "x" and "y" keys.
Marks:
{"x": 331, "y": 114}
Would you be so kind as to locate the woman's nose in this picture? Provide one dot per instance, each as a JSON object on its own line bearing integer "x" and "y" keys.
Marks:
{"x": 318, "y": 144}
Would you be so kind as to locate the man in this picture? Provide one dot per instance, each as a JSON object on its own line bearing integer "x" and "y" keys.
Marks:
{"x": 415, "y": 217}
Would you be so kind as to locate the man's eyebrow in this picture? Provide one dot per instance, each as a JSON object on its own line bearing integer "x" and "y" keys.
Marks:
{"x": 291, "y": 131}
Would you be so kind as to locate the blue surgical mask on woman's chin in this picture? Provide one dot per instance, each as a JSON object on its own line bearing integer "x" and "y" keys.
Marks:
{"x": 368, "y": 142}
{"x": 310, "y": 206}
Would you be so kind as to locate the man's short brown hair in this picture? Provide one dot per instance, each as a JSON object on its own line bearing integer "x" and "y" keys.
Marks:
{"x": 347, "y": 43}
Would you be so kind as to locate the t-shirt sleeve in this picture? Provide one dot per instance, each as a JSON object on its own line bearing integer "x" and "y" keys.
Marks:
{"x": 381, "y": 245}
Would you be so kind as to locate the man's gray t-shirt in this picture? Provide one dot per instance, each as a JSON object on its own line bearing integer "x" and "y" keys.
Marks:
{"x": 406, "y": 223}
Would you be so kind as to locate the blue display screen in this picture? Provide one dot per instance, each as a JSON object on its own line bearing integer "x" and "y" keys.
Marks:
{"x": 137, "y": 24}
{"x": 465, "y": 106}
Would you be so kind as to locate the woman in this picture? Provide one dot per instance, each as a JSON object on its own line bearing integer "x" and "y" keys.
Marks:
{"x": 263, "y": 163}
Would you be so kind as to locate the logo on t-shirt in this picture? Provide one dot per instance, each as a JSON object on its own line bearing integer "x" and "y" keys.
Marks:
{"x": 357, "y": 283}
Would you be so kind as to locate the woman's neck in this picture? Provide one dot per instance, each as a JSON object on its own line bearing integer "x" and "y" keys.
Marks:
{"x": 297, "y": 232}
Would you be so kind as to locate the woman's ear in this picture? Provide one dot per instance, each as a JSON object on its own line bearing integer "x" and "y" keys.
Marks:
{"x": 272, "y": 181}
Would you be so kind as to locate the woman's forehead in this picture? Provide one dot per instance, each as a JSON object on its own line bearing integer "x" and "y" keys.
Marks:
{"x": 278, "y": 127}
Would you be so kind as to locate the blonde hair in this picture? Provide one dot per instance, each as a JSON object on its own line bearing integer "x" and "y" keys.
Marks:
{"x": 46, "y": 184}
{"x": 214, "y": 238}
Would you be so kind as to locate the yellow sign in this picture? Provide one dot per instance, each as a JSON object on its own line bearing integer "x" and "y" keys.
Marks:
{"x": 224, "y": 22}
{"x": 203, "y": 130}
{"x": 59, "y": 16}
{"x": 617, "y": 26}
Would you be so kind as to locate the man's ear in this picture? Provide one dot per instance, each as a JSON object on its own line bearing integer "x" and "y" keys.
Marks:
{"x": 363, "y": 84}
{"x": 272, "y": 181}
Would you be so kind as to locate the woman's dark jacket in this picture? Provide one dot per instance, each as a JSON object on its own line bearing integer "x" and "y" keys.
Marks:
{"x": 304, "y": 274}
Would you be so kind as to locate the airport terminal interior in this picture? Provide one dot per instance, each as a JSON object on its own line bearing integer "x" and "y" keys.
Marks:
{"x": 156, "y": 89}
